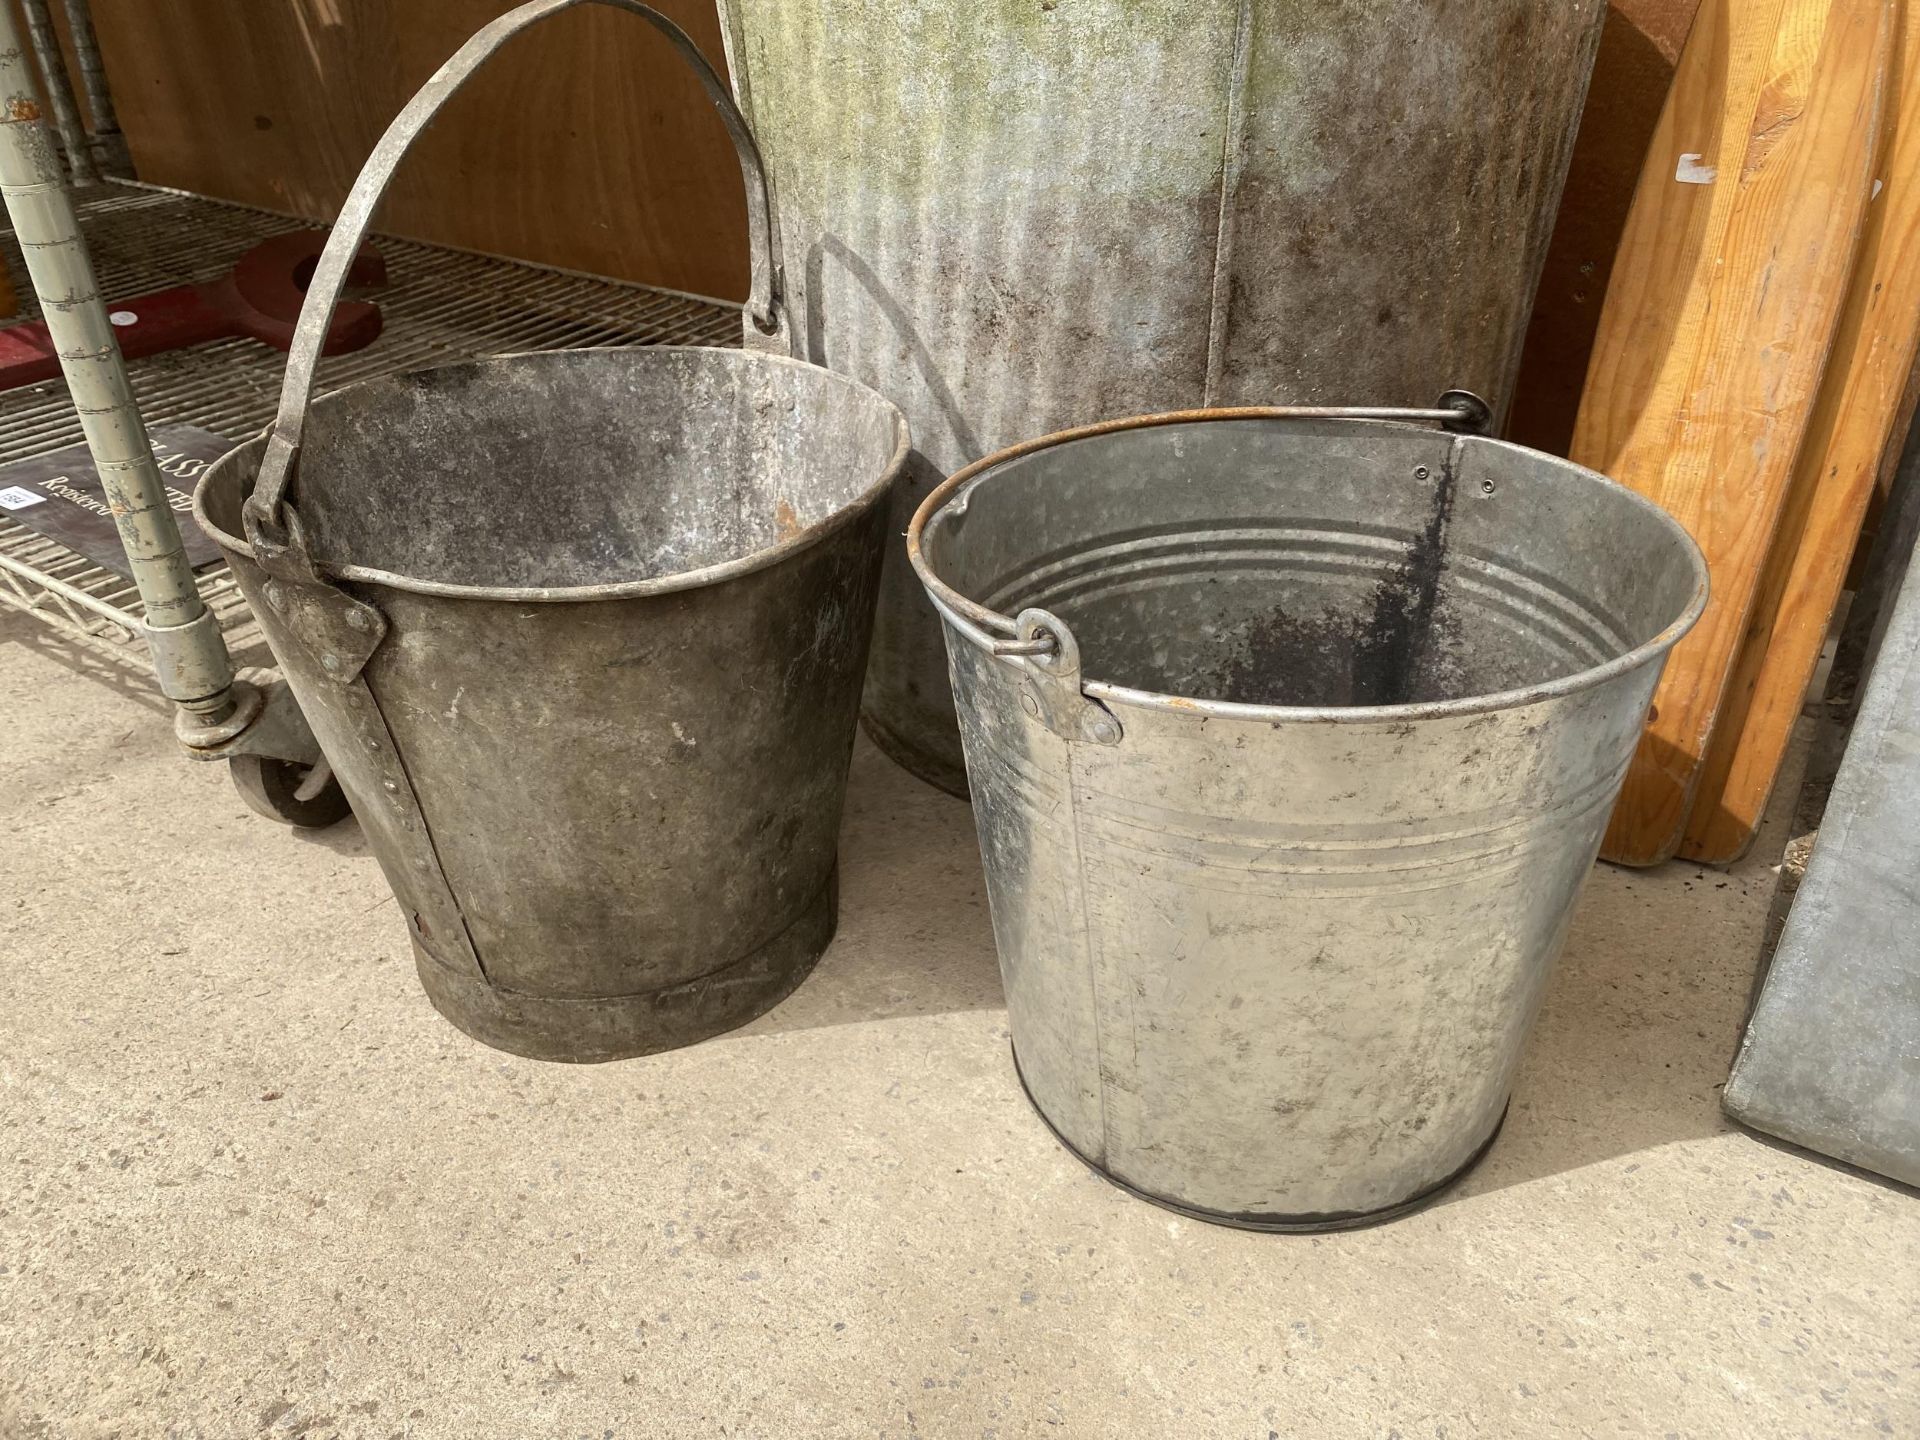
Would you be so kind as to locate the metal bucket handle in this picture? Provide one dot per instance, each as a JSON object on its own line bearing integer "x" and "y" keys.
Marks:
{"x": 1036, "y": 633}
{"x": 1039, "y": 641}
{"x": 272, "y": 525}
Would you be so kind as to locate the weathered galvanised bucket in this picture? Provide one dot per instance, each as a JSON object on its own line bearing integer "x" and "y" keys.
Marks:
{"x": 1291, "y": 740}
{"x": 582, "y": 635}
{"x": 1011, "y": 217}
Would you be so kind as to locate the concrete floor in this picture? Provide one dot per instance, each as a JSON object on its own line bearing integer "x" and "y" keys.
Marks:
{"x": 250, "y": 1183}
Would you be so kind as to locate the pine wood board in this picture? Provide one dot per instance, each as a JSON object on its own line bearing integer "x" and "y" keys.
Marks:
{"x": 1723, "y": 305}
{"x": 1859, "y": 418}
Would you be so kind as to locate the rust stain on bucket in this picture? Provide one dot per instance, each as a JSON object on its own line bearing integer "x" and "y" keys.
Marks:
{"x": 785, "y": 520}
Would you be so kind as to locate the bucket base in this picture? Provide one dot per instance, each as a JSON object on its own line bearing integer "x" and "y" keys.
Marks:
{"x": 935, "y": 771}
{"x": 1270, "y": 1224}
{"x": 620, "y": 1027}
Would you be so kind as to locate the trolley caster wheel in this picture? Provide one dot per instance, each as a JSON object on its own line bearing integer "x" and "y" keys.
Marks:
{"x": 271, "y": 788}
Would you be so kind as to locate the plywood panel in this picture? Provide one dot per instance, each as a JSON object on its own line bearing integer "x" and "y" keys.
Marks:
{"x": 586, "y": 144}
{"x": 1725, "y": 296}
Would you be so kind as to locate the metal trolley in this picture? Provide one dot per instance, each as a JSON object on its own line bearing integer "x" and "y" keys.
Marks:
{"x": 110, "y": 238}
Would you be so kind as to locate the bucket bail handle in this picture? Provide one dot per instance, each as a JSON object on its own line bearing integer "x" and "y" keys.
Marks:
{"x": 1458, "y": 412}
{"x": 278, "y": 545}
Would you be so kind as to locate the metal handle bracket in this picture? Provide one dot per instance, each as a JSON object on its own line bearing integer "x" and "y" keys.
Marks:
{"x": 1051, "y": 691}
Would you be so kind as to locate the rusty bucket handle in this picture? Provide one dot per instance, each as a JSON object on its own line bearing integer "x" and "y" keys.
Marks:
{"x": 1042, "y": 638}
{"x": 272, "y": 528}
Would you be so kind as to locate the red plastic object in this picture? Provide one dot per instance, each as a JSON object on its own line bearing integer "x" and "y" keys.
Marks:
{"x": 260, "y": 297}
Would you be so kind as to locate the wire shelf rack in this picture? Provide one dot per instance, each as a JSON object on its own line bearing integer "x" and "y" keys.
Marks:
{"x": 440, "y": 305}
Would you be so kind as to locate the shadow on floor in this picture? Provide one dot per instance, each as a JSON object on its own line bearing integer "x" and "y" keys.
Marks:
{"x": 1626, "y": 1056}
{"x": 914, "y": 935}
{"x": 127, "y": 672}
{"x": 1633, "y": 1046}
{"x": 1629, "y": 1054}
{"x": 346, "y": 838}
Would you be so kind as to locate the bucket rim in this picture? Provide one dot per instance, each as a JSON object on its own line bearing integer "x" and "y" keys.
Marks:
{"x": 679, "y": 580}
{"x": 972, "y": 619}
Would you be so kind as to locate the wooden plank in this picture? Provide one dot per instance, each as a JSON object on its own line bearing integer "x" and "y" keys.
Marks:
{"x": 1631, "y": 76}
{"x": 1859, "y": 419}
{"x": 1717, "y": 324}
{"x": 585, "y": 144}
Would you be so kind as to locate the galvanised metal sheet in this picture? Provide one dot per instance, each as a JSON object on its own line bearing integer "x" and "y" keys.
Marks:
{"x": 1012, "y": 217}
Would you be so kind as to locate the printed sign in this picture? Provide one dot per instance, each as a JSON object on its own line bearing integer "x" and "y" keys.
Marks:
{"x": 59, "y": 494}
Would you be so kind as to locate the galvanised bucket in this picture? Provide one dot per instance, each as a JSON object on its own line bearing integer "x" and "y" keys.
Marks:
{"x": 1291, "y": 740}
{"x": 1011, "y": 217}
{"x": 581, "y": 634}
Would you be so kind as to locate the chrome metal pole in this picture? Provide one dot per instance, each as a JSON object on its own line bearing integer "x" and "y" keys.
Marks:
{"x": 189, "y": 652}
